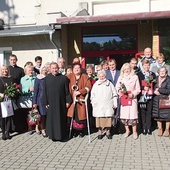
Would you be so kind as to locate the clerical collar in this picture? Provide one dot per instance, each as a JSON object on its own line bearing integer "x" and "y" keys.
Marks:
{"x": 14, "y": 66}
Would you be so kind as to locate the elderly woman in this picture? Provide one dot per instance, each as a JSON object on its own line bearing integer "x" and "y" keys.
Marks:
{"x": 79, "y": 86}
{"x": 162, "y": 87}
{"x": 38, "y": 96}
{"x": 6, "y": 123}
{"x": 160, "y": 62}
{"x": 128, "y": 88}
{"x": 27, "y": 84}
{"x": 104, "y": 102}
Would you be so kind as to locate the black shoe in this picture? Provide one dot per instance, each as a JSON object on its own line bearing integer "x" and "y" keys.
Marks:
{"x": 3, "y": 137}
{"x": 81, "y": 135}
{"x": 149, "y": 132}
{"x": 75, "y": 135}
{"x": 100, "y": 137}
{"x": 109, "y": 136}
{"x": 8, "y": 137}
{"x": 144, "y": 131}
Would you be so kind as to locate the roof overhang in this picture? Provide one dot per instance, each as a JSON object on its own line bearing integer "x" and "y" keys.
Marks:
{"x": 113, "y": 17}
{"x": 25, "y": 31}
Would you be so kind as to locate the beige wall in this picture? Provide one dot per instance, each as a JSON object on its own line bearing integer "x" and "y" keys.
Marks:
{"x": 28, "y": 47}
{"x": 43, "y": 12}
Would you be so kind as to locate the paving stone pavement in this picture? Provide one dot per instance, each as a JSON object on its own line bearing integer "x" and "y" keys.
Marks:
{"x": 37, "y": 153}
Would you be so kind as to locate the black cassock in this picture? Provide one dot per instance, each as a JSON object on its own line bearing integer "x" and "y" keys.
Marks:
{"x": 56, "y": 95}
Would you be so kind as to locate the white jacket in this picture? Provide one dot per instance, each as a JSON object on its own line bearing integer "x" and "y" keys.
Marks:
{"x": 103, "y": 99}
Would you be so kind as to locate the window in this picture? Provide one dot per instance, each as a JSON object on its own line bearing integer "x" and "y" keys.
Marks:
{"x": 164, "y": 32}
{"x": 105, "y": 42}
{"x": 4, "y": 55}
{"x": 109, "y": 38}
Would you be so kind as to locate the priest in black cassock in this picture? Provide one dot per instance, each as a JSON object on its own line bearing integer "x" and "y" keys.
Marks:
{"x": 57, "y": 99}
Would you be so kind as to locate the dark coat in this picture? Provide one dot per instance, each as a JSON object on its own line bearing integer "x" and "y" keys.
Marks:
{"x": 38, "y": 94}
{"x": 16, "y": 72}
{"x": 163, "y": 90}
{"x": 56, "y": 95}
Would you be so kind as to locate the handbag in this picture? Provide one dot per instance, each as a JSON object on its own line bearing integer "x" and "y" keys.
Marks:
{"x": 24, "y": 102}
{"x": 164, "y": 102}
{"x": 7, "y": 109}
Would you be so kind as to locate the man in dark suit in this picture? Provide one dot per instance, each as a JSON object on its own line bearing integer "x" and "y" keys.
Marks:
{"x": 112, "y": 74}
{"x": 38, "y": 63}
{"x": 16, "y": 72}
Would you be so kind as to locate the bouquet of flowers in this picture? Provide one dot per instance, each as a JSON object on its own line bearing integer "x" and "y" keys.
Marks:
{"x": 34, "y": 117}
{"x": 123, "y": 88}
{"x": 11, "y": 90}
{"x": 149, "y": 80}
{"x": 124, "y": 99}
{"x": 94, "y": 78}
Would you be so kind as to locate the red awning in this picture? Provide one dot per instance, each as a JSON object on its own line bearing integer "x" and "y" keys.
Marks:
{"x": 113, "y": 17}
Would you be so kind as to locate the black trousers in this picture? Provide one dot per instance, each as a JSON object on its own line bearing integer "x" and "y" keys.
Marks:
{"x": 6, "y": 124}
{"x": 146, "y": 115}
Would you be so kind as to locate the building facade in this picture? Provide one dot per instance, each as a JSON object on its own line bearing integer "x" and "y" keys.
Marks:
{"x": 95, "y": 30}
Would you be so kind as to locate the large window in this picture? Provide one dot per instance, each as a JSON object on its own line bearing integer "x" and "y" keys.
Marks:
{"x": 101, "y": 43}
{"x": 164, "y": 32}
{"x": 109, "y": 38}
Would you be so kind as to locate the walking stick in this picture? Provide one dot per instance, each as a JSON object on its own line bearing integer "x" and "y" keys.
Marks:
{"x": 87, "y": 115}
{"x": 74, "y": 87}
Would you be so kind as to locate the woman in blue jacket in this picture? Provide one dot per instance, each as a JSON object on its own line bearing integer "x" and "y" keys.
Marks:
{"x": 37, "y": 98}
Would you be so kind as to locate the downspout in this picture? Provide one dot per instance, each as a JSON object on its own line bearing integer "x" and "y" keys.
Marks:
{"x": 53, "y": 42}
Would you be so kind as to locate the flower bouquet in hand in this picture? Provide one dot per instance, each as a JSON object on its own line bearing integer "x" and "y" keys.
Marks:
{"x": 34, "y": 117}
{"x": 94, "y": 78}
{"x": 123, "y": 89}
{"x": 125, "y": 101}
{"x": 148, "y": 82}
{"x": 11, "y": 91}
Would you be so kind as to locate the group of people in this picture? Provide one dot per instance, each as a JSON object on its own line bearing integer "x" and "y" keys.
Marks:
{"x": 130, "y": 96}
